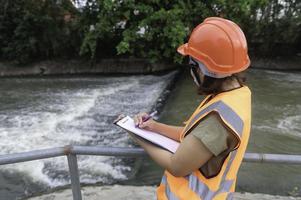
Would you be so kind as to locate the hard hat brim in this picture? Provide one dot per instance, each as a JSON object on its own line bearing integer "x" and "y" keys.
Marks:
{"x": 183, "y": 49}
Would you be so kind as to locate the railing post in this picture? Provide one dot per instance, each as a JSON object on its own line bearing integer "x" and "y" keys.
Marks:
{"x": 74, "y": 176}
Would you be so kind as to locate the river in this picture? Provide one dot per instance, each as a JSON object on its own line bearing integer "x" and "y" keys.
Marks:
{"x": 39, "y": 113}
{"x": 276, "y": 128}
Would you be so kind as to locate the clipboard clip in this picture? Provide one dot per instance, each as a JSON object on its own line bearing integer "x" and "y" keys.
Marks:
{"x": 120, "y": 117}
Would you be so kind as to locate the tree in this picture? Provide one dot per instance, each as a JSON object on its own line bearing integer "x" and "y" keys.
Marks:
{"x": 32, "y": 29}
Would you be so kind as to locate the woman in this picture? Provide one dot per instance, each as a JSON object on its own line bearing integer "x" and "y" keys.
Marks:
{"x": 215, "y": 138}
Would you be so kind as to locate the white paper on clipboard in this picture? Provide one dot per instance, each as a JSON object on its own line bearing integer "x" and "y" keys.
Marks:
{"x": 156, "y": 138}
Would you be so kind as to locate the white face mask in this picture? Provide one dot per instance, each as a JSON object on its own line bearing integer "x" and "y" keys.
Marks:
{"x": 204, "y": 70}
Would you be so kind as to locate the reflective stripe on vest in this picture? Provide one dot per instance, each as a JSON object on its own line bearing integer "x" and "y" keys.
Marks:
{"x": 225, "y": 112}
{"x": 230, "y": 196}
{"x": 233, "y": 119}
{"x": 203, "y": 190}
{"x": 234, "y": 109}
{"x": 200, "y": 188}
{"x": 168, "y": 193}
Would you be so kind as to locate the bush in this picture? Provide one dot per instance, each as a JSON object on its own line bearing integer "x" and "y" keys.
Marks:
{"x": 144, "y": 29}
{"x": 31, "y": 30}
{"x": 153, "y": 29}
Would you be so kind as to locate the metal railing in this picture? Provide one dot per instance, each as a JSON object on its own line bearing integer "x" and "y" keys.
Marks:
{"x": 72, "y": 151}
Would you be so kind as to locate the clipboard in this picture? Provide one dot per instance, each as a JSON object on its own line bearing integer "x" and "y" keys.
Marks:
{"x": 164, "y": 142}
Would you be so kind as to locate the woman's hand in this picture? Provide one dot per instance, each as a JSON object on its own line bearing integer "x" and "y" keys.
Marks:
{"x": 143, "y": 121}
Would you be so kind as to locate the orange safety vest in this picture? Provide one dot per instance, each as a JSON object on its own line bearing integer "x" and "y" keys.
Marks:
{"x": 234, "y": 109}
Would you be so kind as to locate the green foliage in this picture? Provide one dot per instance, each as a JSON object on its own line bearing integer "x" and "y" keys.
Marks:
{"x": 274, "y": 27}
{"x": 152, "y": 29}
{"x": 31, "y": 30}
{"x": 144, "y": 29}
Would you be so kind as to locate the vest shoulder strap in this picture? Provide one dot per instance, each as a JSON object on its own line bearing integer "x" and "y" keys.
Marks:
{"x": 226, "y": 113}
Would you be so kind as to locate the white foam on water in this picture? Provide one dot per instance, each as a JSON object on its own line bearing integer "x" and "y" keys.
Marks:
{"x": 286, "y": 120}
{"x": 68, "y": 117}
{"x": 101, "y": 168}
{"x": 290, "y": 125}
{"x": 38, "y": 125}
{"x": 284, "y": 77}
{"x": 265, "y": 128}
{"x": 34, "y": 171}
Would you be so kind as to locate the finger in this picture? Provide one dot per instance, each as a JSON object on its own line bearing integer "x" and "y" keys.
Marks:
{"x": 145, "y": 124}
{"x": 140, "y": 121}
{"x": 140, "y": 118}
{"x": 135, "y": 120}
{"x": 143, "y": 114}
{"x": 142, "y": 125}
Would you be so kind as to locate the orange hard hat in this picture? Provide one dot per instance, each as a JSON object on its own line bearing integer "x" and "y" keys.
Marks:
{"x": 220, "y": 45}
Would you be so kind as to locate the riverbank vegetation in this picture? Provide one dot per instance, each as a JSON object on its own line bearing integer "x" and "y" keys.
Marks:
{"x": 33, "y": 30}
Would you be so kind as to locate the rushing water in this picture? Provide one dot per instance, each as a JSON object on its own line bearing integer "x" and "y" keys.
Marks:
{"x": 38, "y": 113}
{"x": 276, "y": 128}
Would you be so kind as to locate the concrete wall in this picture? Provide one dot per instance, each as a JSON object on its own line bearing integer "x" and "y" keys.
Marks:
{"x": 277, "y": 63}
{"x": 126, "y": 66}
{"x": 107, "y": 66}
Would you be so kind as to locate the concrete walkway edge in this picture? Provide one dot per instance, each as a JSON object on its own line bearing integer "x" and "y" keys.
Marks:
{"x": 125, "y": 192}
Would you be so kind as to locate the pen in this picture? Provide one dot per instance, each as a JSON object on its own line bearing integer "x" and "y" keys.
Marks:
{"x": 148, "y": 117}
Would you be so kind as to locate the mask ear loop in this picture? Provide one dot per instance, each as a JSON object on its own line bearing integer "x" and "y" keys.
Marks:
{"x": 195, "y": 79}
{"x": 193, "y": 72}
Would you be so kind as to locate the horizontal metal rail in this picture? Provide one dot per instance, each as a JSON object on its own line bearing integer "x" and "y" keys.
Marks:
{"x": 127, "y": 152}
{"x": 272, "y": 158}
{"x": 64, "y": 151}
{"x": 72, "y": 151}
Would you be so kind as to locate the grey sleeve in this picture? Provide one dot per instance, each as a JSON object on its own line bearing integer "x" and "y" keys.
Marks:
{"x": 212, "y": 133}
